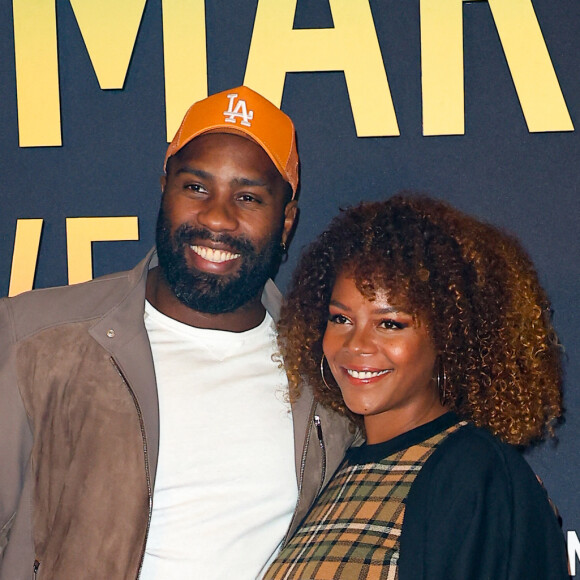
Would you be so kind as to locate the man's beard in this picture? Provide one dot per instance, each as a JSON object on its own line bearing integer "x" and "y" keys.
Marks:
{"x": 212, "y": 293}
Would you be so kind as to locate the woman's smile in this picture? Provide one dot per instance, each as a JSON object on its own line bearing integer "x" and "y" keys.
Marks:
{"x": 365, "y": 376}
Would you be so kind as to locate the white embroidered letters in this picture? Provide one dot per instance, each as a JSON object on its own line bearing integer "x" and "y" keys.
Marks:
{"x": 238, "y": 109}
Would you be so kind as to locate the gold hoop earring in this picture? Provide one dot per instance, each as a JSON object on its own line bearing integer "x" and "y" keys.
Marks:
{"x": 442, "y": 381}
{"x": 328, "y": 387}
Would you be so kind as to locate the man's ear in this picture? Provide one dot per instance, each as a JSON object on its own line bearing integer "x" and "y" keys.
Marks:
{"x": 290, "y": 213}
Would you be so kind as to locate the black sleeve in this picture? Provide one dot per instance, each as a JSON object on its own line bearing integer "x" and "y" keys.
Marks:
{"x": 476, "y": 511}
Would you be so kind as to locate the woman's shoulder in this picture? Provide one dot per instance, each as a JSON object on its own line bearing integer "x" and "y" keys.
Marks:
{"x": 472, "y": 457}
{"x": 473, "y": 474}
{"x": 478, "y": 449}
{"x": 476, "y": 500}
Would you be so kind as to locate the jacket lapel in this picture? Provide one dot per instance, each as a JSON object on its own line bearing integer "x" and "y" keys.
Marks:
{"x": 121, "y": 331}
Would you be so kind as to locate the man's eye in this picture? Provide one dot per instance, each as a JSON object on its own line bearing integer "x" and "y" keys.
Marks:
{"x": 248, "y": 197}
{"x": 194, "y": 187}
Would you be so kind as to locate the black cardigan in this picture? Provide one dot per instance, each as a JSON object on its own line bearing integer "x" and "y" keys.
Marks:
{"x": 476, "y": 511}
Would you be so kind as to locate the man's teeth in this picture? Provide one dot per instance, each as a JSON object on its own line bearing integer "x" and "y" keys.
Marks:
{"x": 365, "y": 374}
{"x": 212, "y": 255}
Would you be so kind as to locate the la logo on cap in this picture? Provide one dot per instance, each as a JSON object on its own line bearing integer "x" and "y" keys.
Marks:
{"x": 238, "y": 109}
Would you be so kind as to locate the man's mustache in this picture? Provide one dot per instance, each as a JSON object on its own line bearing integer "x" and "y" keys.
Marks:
{"x": 185, "y": 234}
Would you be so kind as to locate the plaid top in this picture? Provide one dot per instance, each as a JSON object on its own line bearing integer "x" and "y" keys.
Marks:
{"x": 354, "y": 527}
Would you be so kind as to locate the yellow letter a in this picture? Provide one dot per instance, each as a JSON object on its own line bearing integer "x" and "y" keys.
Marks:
{"x": 351, "y": 46}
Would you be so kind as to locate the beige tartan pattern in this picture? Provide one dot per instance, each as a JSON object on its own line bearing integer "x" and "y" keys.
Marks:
{"x": 354, "y": 528}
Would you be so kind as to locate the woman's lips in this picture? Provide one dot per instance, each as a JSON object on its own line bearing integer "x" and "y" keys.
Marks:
{"x": 365, "y": 375}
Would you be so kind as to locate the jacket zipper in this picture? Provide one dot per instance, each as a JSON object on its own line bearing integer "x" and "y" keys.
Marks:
{"x": 318, "y": 425}
{"x": 302, "y": 466}
{"x": 35, "y": 568}
{"x": 146, "y": 454}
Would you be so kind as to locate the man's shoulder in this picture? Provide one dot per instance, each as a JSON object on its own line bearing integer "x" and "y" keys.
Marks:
{"x": 272, "y": 299}
{"x": 43, "y": 308}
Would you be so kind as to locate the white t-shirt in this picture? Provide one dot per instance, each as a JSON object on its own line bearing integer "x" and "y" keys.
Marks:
{"x": 226, "y": 483}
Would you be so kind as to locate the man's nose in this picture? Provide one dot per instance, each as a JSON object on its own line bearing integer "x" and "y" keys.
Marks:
{"x": 218, "y": 216}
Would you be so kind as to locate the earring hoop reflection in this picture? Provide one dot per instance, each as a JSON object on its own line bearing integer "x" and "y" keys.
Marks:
{"x": 442, "y": 381}
{"x": 328, "y": 387}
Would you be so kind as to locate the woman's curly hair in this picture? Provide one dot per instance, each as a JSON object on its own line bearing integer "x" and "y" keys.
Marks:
{"x": 473, "y": 286}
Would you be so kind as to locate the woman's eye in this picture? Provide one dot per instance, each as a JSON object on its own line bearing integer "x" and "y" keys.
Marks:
{"x": 338, "y": 319}
{"x": 392, "y": 324}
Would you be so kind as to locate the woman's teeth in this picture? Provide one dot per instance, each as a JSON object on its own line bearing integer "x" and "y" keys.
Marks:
{"x": 366, "y": 374}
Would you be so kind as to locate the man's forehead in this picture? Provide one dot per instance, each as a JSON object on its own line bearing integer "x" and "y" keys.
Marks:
{"x": 236, "y": 146}
{"x": 248, "y": 165}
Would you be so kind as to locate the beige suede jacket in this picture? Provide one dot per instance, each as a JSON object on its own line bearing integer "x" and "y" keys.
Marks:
{"x": 79, "y": 431}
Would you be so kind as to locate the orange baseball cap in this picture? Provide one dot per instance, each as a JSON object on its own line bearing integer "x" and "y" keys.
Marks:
{"x": 244, "y": 112}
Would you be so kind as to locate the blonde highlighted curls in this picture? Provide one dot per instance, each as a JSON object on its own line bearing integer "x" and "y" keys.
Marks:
{"x": 474, "y": 287}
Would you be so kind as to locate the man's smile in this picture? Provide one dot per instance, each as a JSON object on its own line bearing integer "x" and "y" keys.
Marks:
{"x": 214, "y": 255}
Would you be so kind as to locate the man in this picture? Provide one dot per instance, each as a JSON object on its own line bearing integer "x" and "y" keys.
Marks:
{"x": 144, "y": 425}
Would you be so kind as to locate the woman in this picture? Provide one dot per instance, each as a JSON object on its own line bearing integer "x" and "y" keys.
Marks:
{"x": 428, "y": 329}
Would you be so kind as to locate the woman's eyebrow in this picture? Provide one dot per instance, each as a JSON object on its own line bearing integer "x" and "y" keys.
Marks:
{"x": 387, "y": 310}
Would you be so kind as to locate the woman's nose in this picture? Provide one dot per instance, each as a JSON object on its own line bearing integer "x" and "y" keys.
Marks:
{"x": 360, "y": 341}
